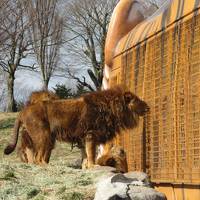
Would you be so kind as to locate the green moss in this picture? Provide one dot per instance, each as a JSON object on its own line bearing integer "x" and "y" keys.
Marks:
{"x": 40, "y": 198}
{"x": 73, "y": 196}
{"x": 61, "y": 190}
{"x": 8, "y": 175}
{"x": 32, "y": 193}
{"x": 8, "y": 191}
{"x": 84, "y": 182}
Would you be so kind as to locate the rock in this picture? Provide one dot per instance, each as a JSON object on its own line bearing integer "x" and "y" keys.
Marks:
{"x": 120, "y": 178}
{"x": 105, "y": 172}
{"x": 140, "y": 176}
{"x": 145, "y": 193}
{"x": 106, "y": 189}
{"x": 129, "y": 186}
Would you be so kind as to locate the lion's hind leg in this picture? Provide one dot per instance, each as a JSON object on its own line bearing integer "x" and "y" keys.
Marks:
{"x": 26, "y": 150}
{"x": 44, "y": 146}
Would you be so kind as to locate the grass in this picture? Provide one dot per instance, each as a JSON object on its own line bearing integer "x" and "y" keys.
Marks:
{"x": 60, "y": 179}
{"x": 7, "y": 123}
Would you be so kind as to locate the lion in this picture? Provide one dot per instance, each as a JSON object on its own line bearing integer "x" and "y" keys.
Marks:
{"x": 116, "y": 158}
{"x": 25, "y": 151}
{"x": 90, "y": 120}
{"x": 42, "y": 95}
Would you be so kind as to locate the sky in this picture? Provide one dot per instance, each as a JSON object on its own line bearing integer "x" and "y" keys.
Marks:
{"x": 27, "y": 81}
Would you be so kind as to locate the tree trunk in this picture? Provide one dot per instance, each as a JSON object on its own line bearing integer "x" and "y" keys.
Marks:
{"x": 45, "y": 78}
{"x": 45, "y": 84}
{"x": 11, "y": 106}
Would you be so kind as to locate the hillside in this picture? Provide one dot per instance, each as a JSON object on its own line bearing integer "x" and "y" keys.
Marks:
{"x": 56, "y": 181}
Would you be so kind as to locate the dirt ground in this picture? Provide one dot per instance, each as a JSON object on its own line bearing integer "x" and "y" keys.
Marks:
{"x": 61, "y": 179}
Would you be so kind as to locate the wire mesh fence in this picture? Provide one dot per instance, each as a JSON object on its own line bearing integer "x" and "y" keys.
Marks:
{"x": 165, "y": 71}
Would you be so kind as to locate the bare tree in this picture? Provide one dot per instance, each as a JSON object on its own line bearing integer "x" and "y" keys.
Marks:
{"x": 1, "y": 83}
{"x": 87, "y": 22}
{"x": 46, "y": 35}
{"x": 3, "y": 5}
{"x": 14, "y": 42}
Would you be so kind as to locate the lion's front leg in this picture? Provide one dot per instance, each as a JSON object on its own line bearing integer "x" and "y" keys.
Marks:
{"x": 90, "y": 147}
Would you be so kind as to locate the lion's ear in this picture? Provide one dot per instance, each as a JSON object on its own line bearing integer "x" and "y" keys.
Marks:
{"x": 128, "y": 96}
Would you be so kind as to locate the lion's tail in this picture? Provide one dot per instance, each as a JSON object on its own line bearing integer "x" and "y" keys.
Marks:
{"x": 11, "y": 147}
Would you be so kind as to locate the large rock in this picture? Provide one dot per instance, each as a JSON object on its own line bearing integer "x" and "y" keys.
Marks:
{"x": 140, "y": 176}
{"x": 129, "y": 186}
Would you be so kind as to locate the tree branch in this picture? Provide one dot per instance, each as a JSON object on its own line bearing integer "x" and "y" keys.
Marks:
{"x": 28, "y": 67}
{"x": 83, "y": 83}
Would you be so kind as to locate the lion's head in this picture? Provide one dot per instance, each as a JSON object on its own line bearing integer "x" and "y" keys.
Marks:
{"x": 116, "y": 158}
{"x": 135, "y": 104}
{"x": 110, "y": 111}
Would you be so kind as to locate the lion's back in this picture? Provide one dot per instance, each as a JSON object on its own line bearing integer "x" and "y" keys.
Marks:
{"x": 64, "y": 117}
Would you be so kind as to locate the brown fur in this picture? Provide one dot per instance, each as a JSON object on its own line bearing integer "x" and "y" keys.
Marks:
{"x": 115, "y": 158}
{"x": 90, "y": 120}
{"x": 107, "y": 147}
{"x": 39, "y": 96}
{"x": 26, "y": 150}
